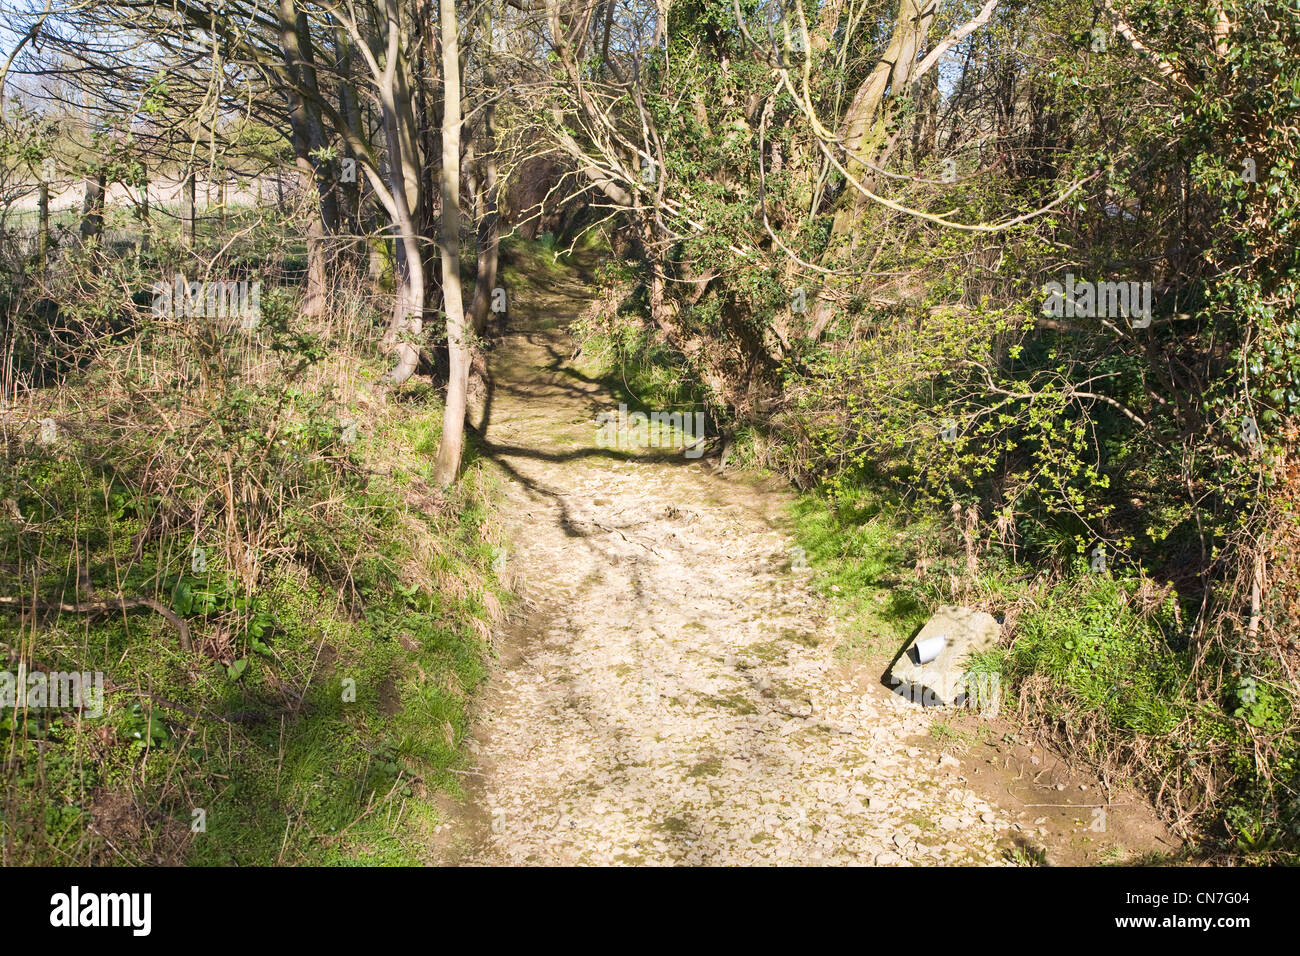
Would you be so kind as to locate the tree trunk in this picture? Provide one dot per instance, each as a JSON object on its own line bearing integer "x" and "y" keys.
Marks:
{"x": 863, "y": 132}
{"x": 314, "y": 300}
{"x": 379, "y": 253}
{"x": 485, "y": 198}
{"x": 453, "y": 421}
{"x": 326, "y": 172}
{"x": 488, "y": 220}
{"x": 349, "y": 104}
{"x": 43, "y": 229}
{"x": 305, "y": 123}
{"x": 92, "y": 209}
{"x": 187, "y": 209}
{"x": 483, "y": 188}
{"x": 407, "y": 325}
{"x": 145, "y": 225}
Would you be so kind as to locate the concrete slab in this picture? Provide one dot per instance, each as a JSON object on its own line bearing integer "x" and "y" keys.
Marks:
{"x": 942, "y": 681}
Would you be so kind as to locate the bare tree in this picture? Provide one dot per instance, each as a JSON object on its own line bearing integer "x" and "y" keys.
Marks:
{"x": 453, "y": 421}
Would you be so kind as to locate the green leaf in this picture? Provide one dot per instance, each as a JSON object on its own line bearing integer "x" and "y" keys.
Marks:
{"x": 157, "y": 730}
{"x": 182, "y": 599}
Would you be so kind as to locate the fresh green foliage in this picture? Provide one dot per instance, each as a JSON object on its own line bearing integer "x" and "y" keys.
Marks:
{"x": 338, "y": 608}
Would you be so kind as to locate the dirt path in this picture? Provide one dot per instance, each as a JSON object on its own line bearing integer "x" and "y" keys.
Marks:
{"x": 672, "y": 696}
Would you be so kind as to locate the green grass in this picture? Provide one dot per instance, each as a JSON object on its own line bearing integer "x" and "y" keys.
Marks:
{"x": 1089, "y": 654}
{"x": 950, "y": 737}
{"x": 1116, "y": 661}
{"x": 530, "y": 260}
{"x": 340, "y": 619}
{"x": 860, "y": 556}
{"x": 284, "y": 765}
{"x": 642, "y": 371}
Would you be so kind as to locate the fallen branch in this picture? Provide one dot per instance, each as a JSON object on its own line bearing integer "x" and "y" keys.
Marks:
{"x": 117, "y": 603}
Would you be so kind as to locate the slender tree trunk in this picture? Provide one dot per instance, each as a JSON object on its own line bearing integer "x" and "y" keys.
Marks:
{"x": 407, "y": 326}
{"x": 349, "y": 104}
{"x": 305, "y": 122}
{"x": 609, "y": 23}
{"x": 43, "y": 229}
{"x": 423, "y": 140}
{"x": 379, "y": 249}
{"x": 453, "y": 422}
{"x": 144, "y": 216}
{"x": 188, "y": 203}
{"x": 92, "y": 209}
{"x": 326, "y": 172}
{"x": 314, "y": 300}
{"x": 484, "y": 189}
{"x": 485, "y": 198}
{"x": 489, "y": 247}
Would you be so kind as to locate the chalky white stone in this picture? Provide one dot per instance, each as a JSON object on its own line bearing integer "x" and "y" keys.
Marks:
{"x": 943, "y": 679}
